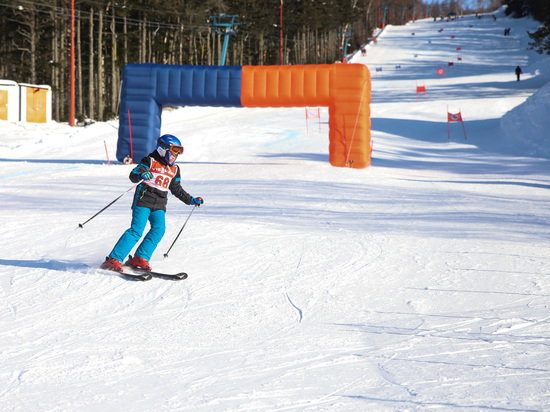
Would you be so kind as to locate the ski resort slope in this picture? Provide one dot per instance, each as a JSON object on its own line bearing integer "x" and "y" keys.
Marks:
{"x": 419, "y": 283}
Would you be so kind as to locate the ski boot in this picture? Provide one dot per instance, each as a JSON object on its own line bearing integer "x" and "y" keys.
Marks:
{"x": 138, "y": 263}
{"x": 112, "y": 264}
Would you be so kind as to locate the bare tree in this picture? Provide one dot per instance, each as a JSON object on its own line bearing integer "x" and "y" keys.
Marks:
{"x": 80, "y": 91}
{"x": 114, "y": 70}
{"x": 91, "y": 70}
{"x": 28, "y": 32}
{"x": 100, "y": 69}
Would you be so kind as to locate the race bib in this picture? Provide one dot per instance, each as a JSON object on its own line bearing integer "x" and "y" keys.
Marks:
{"x": 162, "y": 175}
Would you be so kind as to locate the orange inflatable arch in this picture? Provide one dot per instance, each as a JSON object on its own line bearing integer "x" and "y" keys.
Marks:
{"x": 344, "y": 88}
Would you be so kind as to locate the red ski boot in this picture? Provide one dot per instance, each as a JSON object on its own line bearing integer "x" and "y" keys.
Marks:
{"x": 139, "y": 263}
{"x": 112, "y": 264}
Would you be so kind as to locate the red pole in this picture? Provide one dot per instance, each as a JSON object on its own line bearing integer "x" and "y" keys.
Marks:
{"x": 319, "y": 115}
{"x": 107, "y": 153}
{"x": 71, "y": 109}
{"x": 448, "y": 127}
{"x": 131, "y": 143}
{"x": 281, "y": 35}
{"x": 348, "y": 164}
{"x": 463, "y": 127}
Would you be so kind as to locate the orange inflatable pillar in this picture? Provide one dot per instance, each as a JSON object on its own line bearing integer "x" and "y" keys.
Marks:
{"x": 345, "y": 89}
{"x": 349, "y": 117}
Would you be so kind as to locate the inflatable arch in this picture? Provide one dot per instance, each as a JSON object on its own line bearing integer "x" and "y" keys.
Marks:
{"x": 344, "y": 88}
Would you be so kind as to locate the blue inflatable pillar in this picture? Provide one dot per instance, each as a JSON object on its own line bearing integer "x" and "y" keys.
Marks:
{"x": 146, "y": 88}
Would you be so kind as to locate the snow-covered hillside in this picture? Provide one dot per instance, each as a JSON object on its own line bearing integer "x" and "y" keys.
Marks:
{"x": 419, "y": 283}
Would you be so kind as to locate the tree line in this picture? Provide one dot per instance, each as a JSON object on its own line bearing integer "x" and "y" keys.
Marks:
{"x": 35, "y": 38}
{"x": 540, "y": 11}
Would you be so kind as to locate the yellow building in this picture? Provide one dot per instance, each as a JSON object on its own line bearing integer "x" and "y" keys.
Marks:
{"x": 21, "y": 102}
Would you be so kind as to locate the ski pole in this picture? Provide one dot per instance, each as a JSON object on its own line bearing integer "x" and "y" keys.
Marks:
{"x": 181, "y": 230}
{"x": 81, "y": 225}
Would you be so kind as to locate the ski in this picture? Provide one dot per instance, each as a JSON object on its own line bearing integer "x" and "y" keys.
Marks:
{"x": 152, "y": 273}
{"x": 169, "y": 276}
{"x": 142, "y": 277}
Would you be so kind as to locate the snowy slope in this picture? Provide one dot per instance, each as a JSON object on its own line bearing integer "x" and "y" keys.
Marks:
{"x": 536, "y": 113}
{"x": 419, "y": 283}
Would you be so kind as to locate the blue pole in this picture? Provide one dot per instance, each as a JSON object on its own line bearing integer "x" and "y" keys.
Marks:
{"x": 345, "y": 46}
{"x": 224, "y": 49}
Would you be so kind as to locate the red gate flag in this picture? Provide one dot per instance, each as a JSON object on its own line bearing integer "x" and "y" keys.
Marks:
{"x": 313, "y": 113}
{"x": 421, "y": 88}
{"x": 454, "y": 117}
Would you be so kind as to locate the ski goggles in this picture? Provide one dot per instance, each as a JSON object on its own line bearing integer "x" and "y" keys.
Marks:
{"x": 176, "y": 149}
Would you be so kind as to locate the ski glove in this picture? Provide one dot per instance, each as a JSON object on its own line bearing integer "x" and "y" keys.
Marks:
{"x": 147, "y": 175}
{"x": 197, "y": 201}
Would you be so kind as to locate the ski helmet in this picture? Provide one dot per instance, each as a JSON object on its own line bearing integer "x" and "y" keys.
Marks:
{"x": 169, "y": 147}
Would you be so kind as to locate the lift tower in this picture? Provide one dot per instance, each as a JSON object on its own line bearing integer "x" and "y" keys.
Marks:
{"x": 224, "y": 24}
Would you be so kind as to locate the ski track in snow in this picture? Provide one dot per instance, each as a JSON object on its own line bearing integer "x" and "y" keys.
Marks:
{"x": 421, "y": 282}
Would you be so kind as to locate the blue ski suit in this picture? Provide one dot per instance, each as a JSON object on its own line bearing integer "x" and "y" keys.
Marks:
{"x": 149, "y": 205}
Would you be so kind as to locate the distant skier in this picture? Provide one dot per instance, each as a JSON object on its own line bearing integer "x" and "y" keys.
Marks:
{"x": 159, "y": 175}
{"x": 518, "y": 72}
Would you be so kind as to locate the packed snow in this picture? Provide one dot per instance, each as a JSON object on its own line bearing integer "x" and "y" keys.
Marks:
{"x": 421, "y": 282}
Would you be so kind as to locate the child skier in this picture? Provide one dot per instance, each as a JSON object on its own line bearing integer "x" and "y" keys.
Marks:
{"x": 159, "y": 175}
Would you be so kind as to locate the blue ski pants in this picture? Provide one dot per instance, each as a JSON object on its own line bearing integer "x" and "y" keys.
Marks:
{"x": 140, "y": 216}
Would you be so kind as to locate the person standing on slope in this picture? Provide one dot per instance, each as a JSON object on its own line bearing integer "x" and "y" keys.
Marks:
{"x": 158, "y": 175}
{"x": 518, "y": 72}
